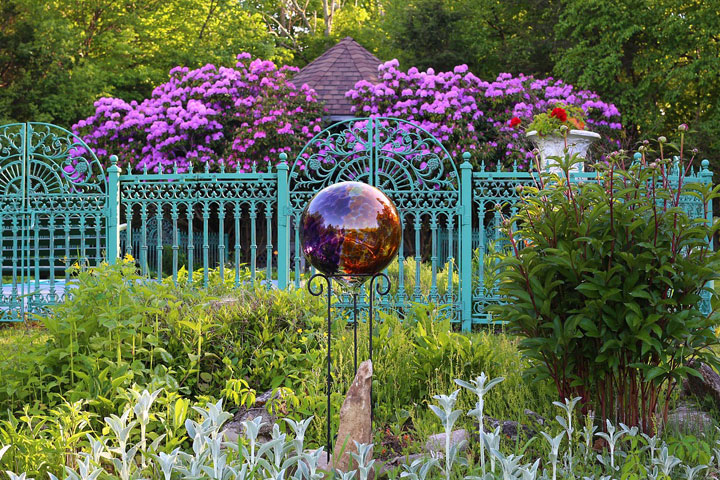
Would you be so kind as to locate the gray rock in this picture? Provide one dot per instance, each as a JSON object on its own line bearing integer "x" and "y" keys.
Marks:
{"x": 708, "y": 385}
{"x": 688, "y": 419}
{"x": 234, "y": 428}
{"x": 265, "y": 397}
{"x": 355, "y": 419}
{"x": 222, "y": 303}
{"x": 539, "y": 419}
{"x": 509, "y": 428}
{"x": 323, "y": 461}
{"x": 436, "y": 443}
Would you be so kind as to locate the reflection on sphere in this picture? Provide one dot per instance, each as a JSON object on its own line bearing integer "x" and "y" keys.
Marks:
{"x": 350, "y": 228}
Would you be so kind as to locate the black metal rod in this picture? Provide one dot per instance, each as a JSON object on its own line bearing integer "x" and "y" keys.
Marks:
{"x": 319, "y": 291}
{"x": 371, "y": 314}
{"x": 370, "y": 347}
{"x": 329, "y": 367}
{"x": 355, "y": 326}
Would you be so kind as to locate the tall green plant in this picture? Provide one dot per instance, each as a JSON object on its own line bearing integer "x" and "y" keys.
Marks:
{"x": 605, "y": 281}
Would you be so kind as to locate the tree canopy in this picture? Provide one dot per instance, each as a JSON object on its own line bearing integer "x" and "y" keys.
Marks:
{"x": 657, "y": 60}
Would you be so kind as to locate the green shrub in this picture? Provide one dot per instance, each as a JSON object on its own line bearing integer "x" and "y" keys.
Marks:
{"x": 118, "y": 329}
{"x": 604, "y": 285}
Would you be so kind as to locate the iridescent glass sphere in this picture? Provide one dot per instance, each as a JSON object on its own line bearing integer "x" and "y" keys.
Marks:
{"x": 350, "y": 229}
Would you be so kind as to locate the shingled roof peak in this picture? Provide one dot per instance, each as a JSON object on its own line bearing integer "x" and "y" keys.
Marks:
{"x": 336, "y": 71}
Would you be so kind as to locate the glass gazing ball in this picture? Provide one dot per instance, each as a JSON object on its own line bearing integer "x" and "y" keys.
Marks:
{"x": 350, "y": 228}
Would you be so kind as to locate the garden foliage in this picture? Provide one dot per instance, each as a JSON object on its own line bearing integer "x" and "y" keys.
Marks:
{"x": 207, "y": 117}
{"x": 468, "y": 114}
{"x": 118, "y": 329}
{"x": 191, "y": 443}
{"x": 604, "y": 283}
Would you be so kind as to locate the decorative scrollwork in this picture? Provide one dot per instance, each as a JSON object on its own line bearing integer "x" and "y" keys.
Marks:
{"x": 406, "y": 162}
{"x": 41, "y": 160}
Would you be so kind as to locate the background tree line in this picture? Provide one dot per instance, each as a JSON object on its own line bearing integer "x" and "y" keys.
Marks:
{"x": 657, "y": 60}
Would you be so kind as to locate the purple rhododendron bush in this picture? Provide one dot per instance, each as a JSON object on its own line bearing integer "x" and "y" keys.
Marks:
{"x": 469, "y": 114}
{"x": 215, "y": 116}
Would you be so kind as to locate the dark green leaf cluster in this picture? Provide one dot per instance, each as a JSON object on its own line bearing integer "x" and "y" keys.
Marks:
{"x": 605, "y": 283}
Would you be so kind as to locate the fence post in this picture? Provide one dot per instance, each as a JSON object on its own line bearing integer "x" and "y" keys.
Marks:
{"x": 283, "y": 235}
{"x": 707, "y": 175}
{"x": 466, "y": 252}
{"x": 113, "y": 215}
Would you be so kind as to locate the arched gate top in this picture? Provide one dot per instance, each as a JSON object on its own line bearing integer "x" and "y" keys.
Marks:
{"x": 41, "y": 159}
{"x": 395, "y": 155}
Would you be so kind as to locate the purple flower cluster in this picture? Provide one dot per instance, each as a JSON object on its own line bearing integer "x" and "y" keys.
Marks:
{"x": 468, "y": 114}
{"x": 229, "y": 117}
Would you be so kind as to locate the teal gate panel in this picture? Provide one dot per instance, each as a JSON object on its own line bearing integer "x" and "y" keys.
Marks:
{"x": 53, "y": 214}
{"x": 412, "y": 168}
{"x": 198, "y": 221}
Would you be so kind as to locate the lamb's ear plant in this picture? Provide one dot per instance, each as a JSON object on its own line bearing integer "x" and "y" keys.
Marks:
{"x": 508, "y": 464}
{"x": 308, "y": 467}
{"x": 554, "y": 450}
{"x": 349, "y": 475}
{"x": 123, "y": 458}
{"x": 529, "y": 472}
{"x": 492, "y": 442}
{"x": 448, "y": 416}
{"x": 692, "y": 472}
{"x": 143, "y": 403}
{"x": 22, "y": 476}
{"x": 4, "y": 449}
{"x": 418, "y": 469}
{"x": 587, "y": 434}
{"x": 167, "y": 462}
{"x": 651, "y": 445}
{"x": 299, "y": 428}
{"x": 612, "y": 438}
{"x": 480, "y": 386}
{"x": 666, "y": 462}
{"x": 567, "y": 424}
{"x": 364, "y": 460}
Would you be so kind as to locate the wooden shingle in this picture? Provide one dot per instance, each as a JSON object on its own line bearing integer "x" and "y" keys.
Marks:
{"x": 336, "y": 71}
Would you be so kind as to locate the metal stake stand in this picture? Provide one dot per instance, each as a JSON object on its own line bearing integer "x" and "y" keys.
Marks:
{"x": 374, "y": 287}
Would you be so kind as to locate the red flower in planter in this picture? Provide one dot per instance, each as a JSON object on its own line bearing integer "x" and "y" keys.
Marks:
{"x": 514, "y": 122}
{"x": 559, "y": 113}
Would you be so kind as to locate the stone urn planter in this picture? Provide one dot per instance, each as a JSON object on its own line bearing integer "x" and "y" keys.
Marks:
{"x": 578, "y": 141}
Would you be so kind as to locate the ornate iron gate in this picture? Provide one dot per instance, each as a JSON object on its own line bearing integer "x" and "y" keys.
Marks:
{"x": 53, "y": 214}
{"x": 414, "y": 169}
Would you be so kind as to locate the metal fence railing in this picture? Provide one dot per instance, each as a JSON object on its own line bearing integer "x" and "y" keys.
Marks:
{"x": 58, "y": 206}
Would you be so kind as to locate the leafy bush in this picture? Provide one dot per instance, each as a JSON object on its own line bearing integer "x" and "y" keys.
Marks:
{"x": 469, "y": 114}
{"x": 605, "y": 282}
{"x": 211, "y": 116}
{"x": 118, "y": 329}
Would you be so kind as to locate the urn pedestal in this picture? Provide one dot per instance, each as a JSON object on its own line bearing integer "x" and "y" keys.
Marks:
{"x": 578, "y": 141}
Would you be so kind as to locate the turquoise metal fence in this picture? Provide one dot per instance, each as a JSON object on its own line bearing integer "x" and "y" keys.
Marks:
{"x": 58, "y": 207}
{"x": 205, "y": 205}
{"x": 53, "y": 214}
